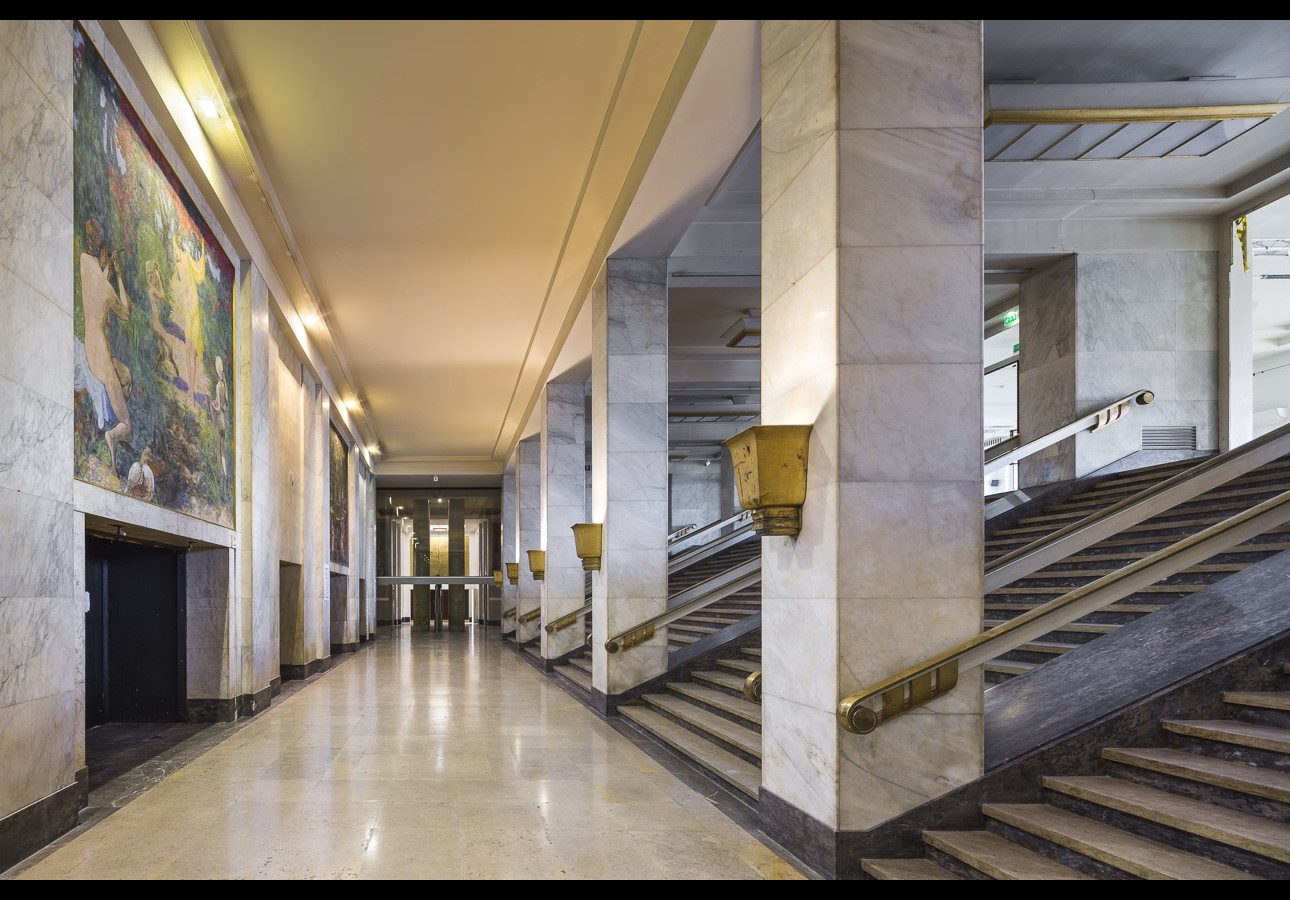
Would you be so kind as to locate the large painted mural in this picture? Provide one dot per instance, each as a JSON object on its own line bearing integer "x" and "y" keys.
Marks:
{"x": 153, "y": 315}
{"x": 338, "y": 459}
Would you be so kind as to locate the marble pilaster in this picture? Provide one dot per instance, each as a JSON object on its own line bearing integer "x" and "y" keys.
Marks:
{"x": 510, "y": 546}
{"x": 629, "y": 466}
{"x": 528, "y": 483}
{"x": 1098, "y": 326}
{"x": 872, "y": 243}
{"x": 563, "y": 505}
{"x": 42, "y": 613}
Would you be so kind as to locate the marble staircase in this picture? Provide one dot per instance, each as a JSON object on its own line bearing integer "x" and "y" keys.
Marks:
{"x": 1209, "y": 801}
{"x": 1118, "y": 551}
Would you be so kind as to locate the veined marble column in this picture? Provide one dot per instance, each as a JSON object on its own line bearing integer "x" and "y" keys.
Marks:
{"x": 872, "y": 238}
{"x": 564, "y": 478}
{"x": 456, "y": 593}
{"x": 510, "y": 548}
{"x": 42, "y": 582}
{"x": 528, "y": 479}
{"x": 629, "y": 467}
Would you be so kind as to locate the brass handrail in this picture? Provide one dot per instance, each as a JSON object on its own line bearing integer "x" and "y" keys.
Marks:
{"x": 1011, "y": 449}
{"x": 1151, "y": 501}
{"x": 566, "y": 620}
{"x": 690, "y": 531}
{"x": 531, "y": 615}
{"x": 510, "y": 612}
{"x": 865, "y": 710}
{"x": 684, "y": 558}
{"x": 692, "y": 599}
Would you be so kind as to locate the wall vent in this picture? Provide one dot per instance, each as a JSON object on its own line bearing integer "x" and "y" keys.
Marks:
{"x": 1169, "y": 437}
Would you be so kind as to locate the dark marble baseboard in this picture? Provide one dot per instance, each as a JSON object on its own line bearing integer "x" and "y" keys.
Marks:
{"x": 337, "y": 649}
{"x": 33, "y": 827}
{"x": 298, "y": 672}
{"x": 212, "y": 710}
{"x": 275, "y": 686}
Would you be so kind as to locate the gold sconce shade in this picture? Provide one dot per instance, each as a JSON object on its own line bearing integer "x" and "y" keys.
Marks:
{"x": 497, "y": 577}
{"x": 513, "y": 573}
{"x": 770, "y": 475}
{"x": 587, "y": 541}
{"x": 537, "y": 564}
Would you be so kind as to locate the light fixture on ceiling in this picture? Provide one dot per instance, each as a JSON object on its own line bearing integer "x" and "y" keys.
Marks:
{"x": 746, "y": 331}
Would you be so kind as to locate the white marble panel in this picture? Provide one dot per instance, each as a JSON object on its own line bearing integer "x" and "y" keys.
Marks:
{"x": 805, "y": 565}
{"x": 35, "y": 340}
{"x": 872, "y": 791}
{"x": 568, "y": 461}
{"x": 800, "y": 757}
{"x": 1200, "y": 413}
{"x": 904, "y": 305}
{"x": 637, "y": 584}
{"x": 1196, "y": 373}
{"x": 38, "y": 541}
{"x": 637, "y": 477}
{"x": 38, "y": 746}
{"x": 635, "y": 525}
{"x": 888, "y": 528}
{"x": 1106, "y": 377}
{"x": 800, "y": 228}
{"x": 1196, "y": 278}
{"x": 35, "y": 137}
{"x": 940, "y": 64}
{"x": 1046, "y": 396}
{"x": 799, "y": 99}
{"x": 40, "y": 47}
{"x": 211, "y": 621}
{"x": 565, "y": 492}
{"x": 1197, "y": 325}
{"x": 41, "y": 645}
{"x": 35, "y": 443}
{"x": 637, "y": 427}
{"x": 629, "y": 668}
{"x": 910, "y": 187}
{"x": 35, "y": 237}
{"x": 92, "y": 499}
{"x": 800, "y": 656}
{"x": 811, "y": 402}
{"x": 696, "y": 496}
{"x": 880, "y": 637}
{"x": 910, "y": 422}
{"x": 800, "y": 329}
{"x": 637, "y": 378}
{"x": 636, "y": 317}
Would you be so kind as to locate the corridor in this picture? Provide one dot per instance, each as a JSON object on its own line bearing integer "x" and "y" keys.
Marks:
{"x": 419, "y": 756}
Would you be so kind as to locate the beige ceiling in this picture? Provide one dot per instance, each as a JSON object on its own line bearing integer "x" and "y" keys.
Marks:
{"x": 442, "y": 193}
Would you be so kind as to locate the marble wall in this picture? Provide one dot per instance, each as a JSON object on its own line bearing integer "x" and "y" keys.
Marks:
{"x": 42, "y": 610}
{"x": 528, "y": 485}
{"x": 629, "y": 466}
{"x": 1100, "y": 325}
{"x": 510, "y": 545}
{"x": 563, "y": 504}
{"x": 697, "y": 497}
{"x": 872, "y": 241}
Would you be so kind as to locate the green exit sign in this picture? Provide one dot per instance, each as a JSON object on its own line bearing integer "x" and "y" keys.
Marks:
{"x": 1010, "y": 318}
{"x": 1016, "y": 348}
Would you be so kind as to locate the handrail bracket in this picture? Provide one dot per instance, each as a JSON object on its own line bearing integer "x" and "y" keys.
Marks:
{"x": 859, "y": 717}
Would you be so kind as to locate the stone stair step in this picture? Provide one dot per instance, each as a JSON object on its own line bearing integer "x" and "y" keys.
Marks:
{"x": 1231, "y": 775}
{"x": 576, "y": 675}
{"x": 741, "y": 707}
{"x": 740, "y": 737}
{"x": 1231, "y": 731}
{"x": 1000, "y": 858}
{"x": 1059, "y": 590}
{"x": 1197, "y": 817}
{"x": 724, "y": 680}
{"x": 747, "y": 666}
{"x": 1279, "y": 700}
{"x": 1073, "y": 627}
{"x": 1110, "y": 845}
{"x": 729, "y": 767}
{"x": 917, "y": 869}
{"x": 1137, "y": 609}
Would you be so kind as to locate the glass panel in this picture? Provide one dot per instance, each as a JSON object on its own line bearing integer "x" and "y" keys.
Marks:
{"x": 1169, "y": 139}
{"x": 1124, "y": 140}
{"x": 1034, "y": 142}
{"x": 1218, "y": 134}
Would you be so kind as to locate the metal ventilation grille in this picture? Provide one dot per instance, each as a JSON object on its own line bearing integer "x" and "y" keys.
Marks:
{"x": 1169, "y": 437}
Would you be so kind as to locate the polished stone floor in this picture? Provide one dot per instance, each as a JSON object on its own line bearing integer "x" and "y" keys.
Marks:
{"x": 419, "y": 756}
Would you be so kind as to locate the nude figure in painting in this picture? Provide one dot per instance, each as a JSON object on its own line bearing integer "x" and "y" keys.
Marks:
{"x": 103, "y": 377}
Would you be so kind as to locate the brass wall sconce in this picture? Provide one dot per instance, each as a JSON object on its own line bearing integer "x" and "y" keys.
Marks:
{"x": 587, "y": 539}
{"x": 537, "y": 564}
{"x": 497, "y": 577}
{"x": 770, "y": 475}
{"x": 513, "y": 573}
